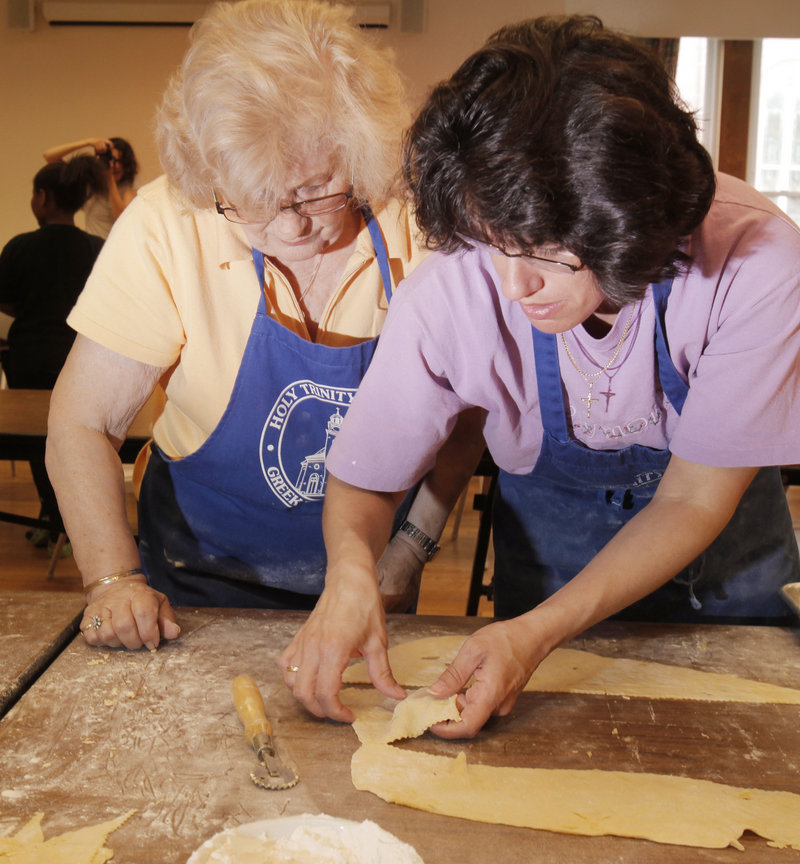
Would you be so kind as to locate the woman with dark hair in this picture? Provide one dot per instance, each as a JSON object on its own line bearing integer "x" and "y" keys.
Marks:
{"x": 629, "y": 326}
{"x": 116, "y": 154}
{"x": 42, "y": 273}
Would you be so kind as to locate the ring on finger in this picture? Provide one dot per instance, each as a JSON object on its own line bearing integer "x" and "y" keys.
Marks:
{"x": 95, "y": 623}
{"x": 292, "y": 668}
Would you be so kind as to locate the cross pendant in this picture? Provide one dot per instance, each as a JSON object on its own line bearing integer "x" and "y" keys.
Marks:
{"x": 588, "y": 399}
{"x": 608, "y": 394}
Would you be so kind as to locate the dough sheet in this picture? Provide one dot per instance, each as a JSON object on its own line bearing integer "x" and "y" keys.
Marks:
{"x": 658, "y": 807}
{"x": 567, "y": 670}
{"x": 662, "y": 808}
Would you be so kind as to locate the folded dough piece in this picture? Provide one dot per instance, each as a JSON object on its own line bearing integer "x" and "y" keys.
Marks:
{"x": 662, "y": 808}
{"x": 420, "y": 662}
{"x": 382, "y": 720}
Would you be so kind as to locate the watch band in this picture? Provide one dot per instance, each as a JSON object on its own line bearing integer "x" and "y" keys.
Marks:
{"x": 429, "y": 546}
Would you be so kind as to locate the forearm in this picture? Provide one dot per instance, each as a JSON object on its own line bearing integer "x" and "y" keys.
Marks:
{"x": 87, "y": 476}
{"x": 96, "y": 397}
{"x": 356, "y": 524}
{"x": 455, "y": 464}
{"x": 118, "y": 199}
{"x": 60, "y": 151}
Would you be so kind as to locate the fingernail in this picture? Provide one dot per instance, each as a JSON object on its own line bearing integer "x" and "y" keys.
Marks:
{"x": 436, "y": 689}
{"x": 150, "y": 647}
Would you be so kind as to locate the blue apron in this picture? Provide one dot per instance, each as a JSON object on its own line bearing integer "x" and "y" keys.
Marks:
{"x": 238, "y": 522}
{"x": 550, "y": 523}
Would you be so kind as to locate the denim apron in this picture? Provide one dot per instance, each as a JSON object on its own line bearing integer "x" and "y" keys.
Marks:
{"x": 239, "y": 521}
{"x": 550, "y": 523}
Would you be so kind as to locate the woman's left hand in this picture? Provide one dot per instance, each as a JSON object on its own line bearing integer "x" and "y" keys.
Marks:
{"x": 399, "y": 576}
{"x": 500, "y": 658}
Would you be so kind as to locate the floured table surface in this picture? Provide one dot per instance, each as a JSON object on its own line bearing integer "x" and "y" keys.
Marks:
{"x": 104, "y": 731}
{"x": 34, "y": 627}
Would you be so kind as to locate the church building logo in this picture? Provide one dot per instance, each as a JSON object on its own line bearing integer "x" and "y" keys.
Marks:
{"x": 297, "y": 437}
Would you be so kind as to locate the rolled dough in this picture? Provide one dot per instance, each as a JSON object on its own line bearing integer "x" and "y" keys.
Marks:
{"x": 666, "y": 809}
{"x": 420, "y": 662}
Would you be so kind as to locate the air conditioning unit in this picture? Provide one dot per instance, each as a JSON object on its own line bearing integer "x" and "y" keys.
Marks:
{"x": 120, "y": 12}
{"x": 377, "y": 15}
{"x": 158, "y": 12}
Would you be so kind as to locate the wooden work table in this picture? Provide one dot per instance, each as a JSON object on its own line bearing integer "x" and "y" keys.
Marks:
{"x": 34, "y": 627}
{"x": 106, "y": 731}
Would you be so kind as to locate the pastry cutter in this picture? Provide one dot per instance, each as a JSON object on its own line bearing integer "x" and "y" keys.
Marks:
{"x": 272, "y": 772}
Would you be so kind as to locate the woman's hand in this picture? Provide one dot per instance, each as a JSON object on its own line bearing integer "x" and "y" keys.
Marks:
{"x": 399, "y": 575}
{"x": 348, "y": 621}
{"x": 500, "y": 658}
{"x": 101, "y": 145}
{"x": 130, "y": 614}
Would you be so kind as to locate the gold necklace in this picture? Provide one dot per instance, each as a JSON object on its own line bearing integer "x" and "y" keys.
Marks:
{"x": 591, "y": 378}
{"x": 313, "y": 277}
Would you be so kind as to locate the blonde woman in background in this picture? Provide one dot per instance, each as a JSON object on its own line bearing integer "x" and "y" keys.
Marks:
{"x": 251, "y": 281}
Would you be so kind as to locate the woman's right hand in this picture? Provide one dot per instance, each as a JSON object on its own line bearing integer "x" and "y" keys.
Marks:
{"x": 131, "y": 614}
{"x": 348, "y": 621}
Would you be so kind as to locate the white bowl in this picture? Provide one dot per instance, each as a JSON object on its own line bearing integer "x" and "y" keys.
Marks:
{"x": 246, "y": 844}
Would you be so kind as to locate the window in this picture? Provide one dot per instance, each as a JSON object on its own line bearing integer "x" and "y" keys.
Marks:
{"x": 776, "y": 169}
{"x": 696, "y": 77}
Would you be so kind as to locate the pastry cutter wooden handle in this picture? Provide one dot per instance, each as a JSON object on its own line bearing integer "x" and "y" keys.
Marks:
{"x": 273, "y": 773}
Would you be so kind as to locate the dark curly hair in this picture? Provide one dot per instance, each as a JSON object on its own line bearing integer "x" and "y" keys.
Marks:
{"x": 559, "y": 131}
{"x": 130, "y": 167}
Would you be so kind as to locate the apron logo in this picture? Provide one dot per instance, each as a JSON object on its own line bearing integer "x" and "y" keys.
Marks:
{"x": 297, "y": 437}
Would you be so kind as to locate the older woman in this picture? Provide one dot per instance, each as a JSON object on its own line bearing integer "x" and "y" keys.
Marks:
{"x": 628, "y": 324}
{"x": 251, "y": 283}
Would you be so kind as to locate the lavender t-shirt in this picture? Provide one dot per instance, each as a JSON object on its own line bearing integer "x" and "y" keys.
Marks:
{"x": 452, "y": 340}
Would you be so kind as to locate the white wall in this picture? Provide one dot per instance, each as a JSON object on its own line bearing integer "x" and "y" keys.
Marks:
{"x": 60, "y": 84}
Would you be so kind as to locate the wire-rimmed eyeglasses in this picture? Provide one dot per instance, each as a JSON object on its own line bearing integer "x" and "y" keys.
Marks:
{"x": 553, "y": 265}
{"x": 309, "y": 207}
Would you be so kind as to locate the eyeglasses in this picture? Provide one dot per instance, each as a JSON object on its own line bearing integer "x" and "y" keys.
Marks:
{"x": 552, "y": 265}
{"x": 309, "y": 207}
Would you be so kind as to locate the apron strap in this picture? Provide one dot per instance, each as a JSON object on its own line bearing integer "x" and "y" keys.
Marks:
{"x": 258, "y": 260}
{"x": 379, "y": 245}
{"x": 552, "y": 406}
{"x": 672, "y": 383}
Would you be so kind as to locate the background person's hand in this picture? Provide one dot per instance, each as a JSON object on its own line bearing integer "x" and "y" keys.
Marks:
{"x": 130, "y": 614}
{"x": 399, "y": 576}
{"x": 101, "y": 145}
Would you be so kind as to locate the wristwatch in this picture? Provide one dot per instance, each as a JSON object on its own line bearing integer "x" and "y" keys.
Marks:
{"x": 429, "y": 546}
